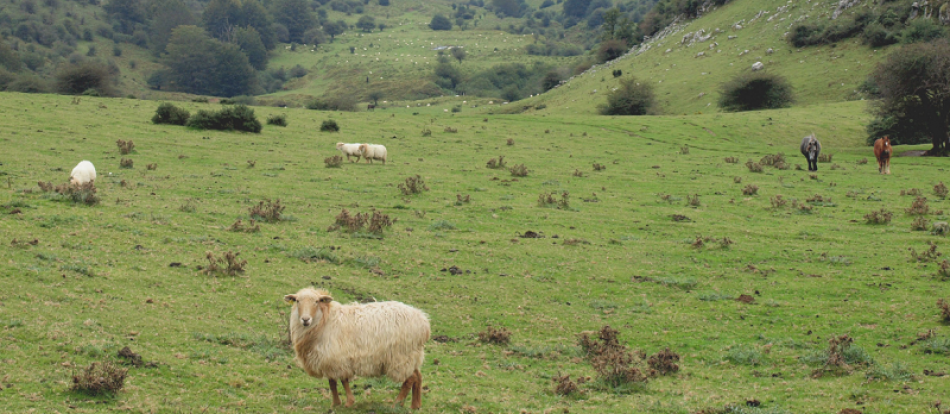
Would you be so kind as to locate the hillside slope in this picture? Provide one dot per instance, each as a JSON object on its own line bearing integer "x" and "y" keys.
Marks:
{"x": 687, "y": 82}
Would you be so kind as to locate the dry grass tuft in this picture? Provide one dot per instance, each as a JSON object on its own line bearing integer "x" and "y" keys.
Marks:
{"x": 267, "y": 211}
{"x": 940, "y": 190}
{"x": 125, "y": 147}
{"x": 228, "y": 264}
{"x": 126, "y": 163}
{"x": 240, "y": 227}
{"x": 881, "y": 216}
{"x": 754, "y": 166}
{"x": 99, "y": 378}
{"x": 919, "y": 207}
{"x": 79, "y": 193}
{"x": 519, "y": 171}
{"x": 496, "y": 163}
{"x": 911, "y": 192}
{"x": 825, "y": 157}
{"x": 664, "y": 362}
{"x": 510, "y": 141}
{"x": 564, "y": 385}
{"x": 599, "y": 167}
{"x": 335, "y": 161}
{"x": 927, "y": 256}
{"x": 614, "y": 363}
{"x": 497, "y": 336}
{"x": 750, "y": 189}
{"x": 731, "y": 160}
{"x": 151, "y": 167}
{"x": 551, "y": 200}
{"x": 919, "y": 224}
{"x": 944, "y": 310}
{"x": 413, "y": 185}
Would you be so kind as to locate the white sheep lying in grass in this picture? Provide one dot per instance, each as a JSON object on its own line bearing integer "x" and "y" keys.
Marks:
{"x": 350, "y": 150}
{"x": 339, "y": 342}
{"x": 372, "y": 152}
{"x": 84, "y": 173}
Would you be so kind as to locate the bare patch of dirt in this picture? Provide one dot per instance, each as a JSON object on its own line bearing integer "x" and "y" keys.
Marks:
{"x": 531, "y": 235}
{"x": 745, "y": 299}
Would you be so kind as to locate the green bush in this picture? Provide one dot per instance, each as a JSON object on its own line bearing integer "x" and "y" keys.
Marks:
{"x": 875, "y": 35}
{"x": 335, "y": 103}
{"x": 631, "y": 98}
{"x": 921, "y": 31}
{"x": 170, "y": 114}
{"x": 329, "y": 126}
{"x": 75, "y": 79}
{"x": 238, "y": 117}
{"x": 440, "y": 22}
{"x": 756, "y": 90}
{"x": 278, "y": 120}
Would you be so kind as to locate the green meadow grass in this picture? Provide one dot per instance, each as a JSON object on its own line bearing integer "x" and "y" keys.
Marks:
{"x": 125, "y": 272}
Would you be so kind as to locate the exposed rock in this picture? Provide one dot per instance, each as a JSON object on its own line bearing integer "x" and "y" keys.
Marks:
{"x": 844, "y": 5}
{"x": 757, "y": 66}
{"x": 769, "y": 51}
{"x": 701, "y": 54}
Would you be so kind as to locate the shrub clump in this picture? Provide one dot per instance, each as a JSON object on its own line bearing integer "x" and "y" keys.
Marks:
{"x": 170, "y": 114}
{"x": 329, "y": 126}
{"x": 99, "y": 378}
{"x": 551, "y": 200}
{"x": 944, "y": 310}
{"x": 564, "y": 385}
{"x": 496, "y": 163}
{"x": 519, "y": 170}
{"x": 750, "y": 189}
{"x": 277, "y": 120}
{"x": 78, "y": 193}
{"x": 493, "y": 335}
{"x": 230, "y": 118}
{"x": 756, "y": 90}
{"x": 630, "y": 98}
{"x": 940, "y": 190}
{"x": 664, "y": 362}
{"x": 841, "y": 357}
{"x": 614, "y": 363}
{"x": 353, "y": 223}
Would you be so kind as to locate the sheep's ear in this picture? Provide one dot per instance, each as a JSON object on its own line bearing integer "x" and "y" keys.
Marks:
{"x": 290, "y": 298}
{"x": 326, "y": 299}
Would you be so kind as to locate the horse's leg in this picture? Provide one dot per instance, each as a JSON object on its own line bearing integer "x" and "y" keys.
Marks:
{"x": 888, "y": 166}
{"x": 349, "y": 393}
{"x": 417, "y": 391}
{"x": 336, "y": 395}
{"x": 406, "y": 386}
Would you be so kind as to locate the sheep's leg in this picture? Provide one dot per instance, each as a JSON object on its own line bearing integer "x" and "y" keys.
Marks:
{"x": 336, "y": 395}
{"x": 417, "y": 391}
{"x": 349, "y": 393}
{"x": 406, "y": 386}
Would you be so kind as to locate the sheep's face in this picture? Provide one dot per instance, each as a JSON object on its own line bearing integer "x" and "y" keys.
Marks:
{"x": 310, "y": 306}
{"x": 339, "y": 146}
{"x": 363, "y": 148}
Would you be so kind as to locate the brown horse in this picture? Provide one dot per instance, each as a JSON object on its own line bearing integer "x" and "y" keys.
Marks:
{"x": 882, "y": 150}
{"x": 370, "y": 107}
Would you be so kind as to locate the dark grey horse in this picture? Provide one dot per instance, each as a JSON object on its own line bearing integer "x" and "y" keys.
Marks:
{"x": 811, "y": 148}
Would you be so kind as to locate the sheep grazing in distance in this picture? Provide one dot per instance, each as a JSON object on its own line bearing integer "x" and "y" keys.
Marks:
{"x": 350, "y": 150}
{"x": 372, "y": 152}
{"x": 340, "y": 342}
{"x": 84, "y": 173}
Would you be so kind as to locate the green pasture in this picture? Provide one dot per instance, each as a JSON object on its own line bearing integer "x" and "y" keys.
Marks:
{"x": 125, "y": 272}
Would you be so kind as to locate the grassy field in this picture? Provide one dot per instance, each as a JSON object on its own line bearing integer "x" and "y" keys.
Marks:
{"x": 125, "y": 272}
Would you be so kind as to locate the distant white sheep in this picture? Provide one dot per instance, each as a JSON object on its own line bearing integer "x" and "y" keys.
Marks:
{"x": 340, "y": 342}
{"x": 84, "y": 172}
{"x": 372, "y": 152}
{"x": 350, "y": 150}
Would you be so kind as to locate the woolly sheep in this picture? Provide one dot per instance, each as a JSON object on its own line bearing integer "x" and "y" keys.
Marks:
{"x": 84, "y": 172}
{"x": 340, "y": 342}
{"x": 350, "y": 150}
{"x": 372, "y": 152}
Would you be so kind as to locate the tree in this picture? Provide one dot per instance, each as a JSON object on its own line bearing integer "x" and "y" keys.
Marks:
{"x": 366, "y": 23}
{"x": 440, "y": 22}
{"x": 915, "y": 96}
{"x": 295, "y": 16}
{"x": 550, "y": 80}
{"x": 447, "y": 76}
{"x": 167, "y": 15}
{"x": 376, "y": 96}
{"x": 617, "y": 27}
{"x": 200, "y": 64}
{"x": 334, "y": 29}
{"x": 631, "y": 98}
{"x": 250, "y": 43}
{"x": 755, "y": 90}
{"x": 509, "y": 8}
{"x": 76, "y": 78}
{"x": 459, "y": 54}
{"x": 127, "y": 13}
{"x": 576, "y": 8}
{"x": 382, "y": 26}
{"x": 220, "y": 16}
{"x": 9, "y": 58}
{"x": 255, "y": 15}
{"x": 611, "y": 49}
